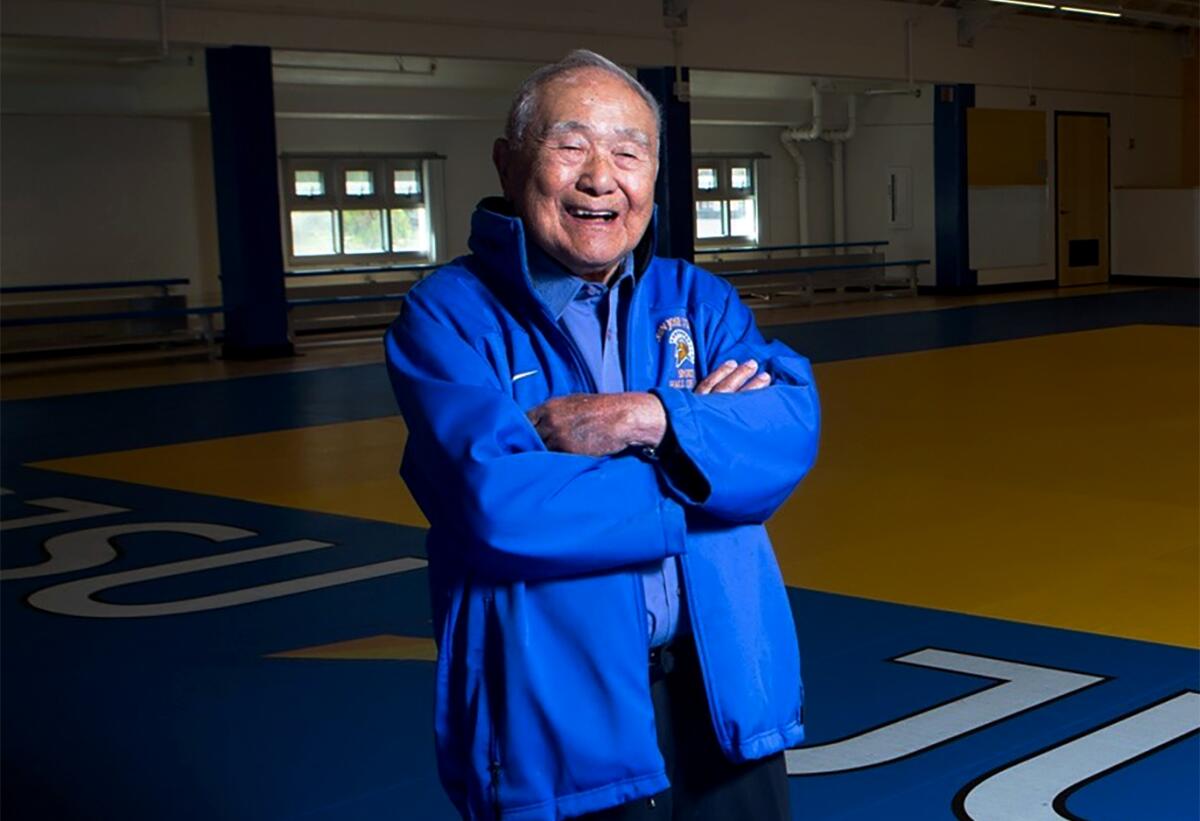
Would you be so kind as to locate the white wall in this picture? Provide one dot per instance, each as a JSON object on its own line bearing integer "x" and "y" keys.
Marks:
{"x": 1150, "y": 120}
{"x": 893, "y": 131}
{"x": 92, "y": 198}
{"x": 75, "y": 130}
{"x": 106, "y": 168}
{"x": 1144, "y": 148}
{"x": 1155, "y": 232}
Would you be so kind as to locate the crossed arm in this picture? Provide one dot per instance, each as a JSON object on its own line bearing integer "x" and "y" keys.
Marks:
{"x": 508, "y": 496}
{"x": 603, "y": 424}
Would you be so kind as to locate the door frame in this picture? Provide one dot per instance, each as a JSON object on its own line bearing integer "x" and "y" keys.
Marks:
{"x": 1108, "y": 201}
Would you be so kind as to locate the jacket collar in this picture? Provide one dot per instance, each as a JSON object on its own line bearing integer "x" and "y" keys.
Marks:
{"x": 498, "y": 239}
{"x": 555, "y": 286}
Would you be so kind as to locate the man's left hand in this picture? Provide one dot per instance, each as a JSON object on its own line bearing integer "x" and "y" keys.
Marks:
{"x": 600, "y": 424}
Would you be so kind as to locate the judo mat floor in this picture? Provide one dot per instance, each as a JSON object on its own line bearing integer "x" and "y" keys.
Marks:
{"x": 215, "y": 605}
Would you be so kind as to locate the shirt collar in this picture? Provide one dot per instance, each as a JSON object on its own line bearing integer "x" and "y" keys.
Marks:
{"x": 555, "y": 285}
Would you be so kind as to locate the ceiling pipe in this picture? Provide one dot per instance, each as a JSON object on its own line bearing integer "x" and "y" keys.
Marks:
{"x": 791, "y": 139}
{"x": 883, "y": 92}
{"x": 813, "y": 131}
{"x": 801, "y": 187}
{"x": 851, "y": 128}
{"x": 912, "y": 90}
{"x": 163, "y": 47}
{"x": 838, "y": 140}
{"x": 908, "y": 51}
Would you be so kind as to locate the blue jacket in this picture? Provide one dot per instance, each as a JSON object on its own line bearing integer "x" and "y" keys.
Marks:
{"x": 543, "y": 708}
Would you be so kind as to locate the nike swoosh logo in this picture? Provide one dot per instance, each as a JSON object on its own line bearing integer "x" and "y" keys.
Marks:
{"x": 522, "y": 375}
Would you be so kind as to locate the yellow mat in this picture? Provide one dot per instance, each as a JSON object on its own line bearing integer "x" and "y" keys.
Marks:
{"x": 385, "y": 647}
{"x": 1052, "y": 480}
{"x": 348, "y": 469}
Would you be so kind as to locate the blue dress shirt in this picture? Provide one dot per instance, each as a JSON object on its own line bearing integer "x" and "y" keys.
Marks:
{"x": 590, "y": 313}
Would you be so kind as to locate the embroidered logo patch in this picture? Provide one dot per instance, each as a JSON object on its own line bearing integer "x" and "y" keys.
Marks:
{"x": 681, "y": 344}
{"x": 675, "y": 333}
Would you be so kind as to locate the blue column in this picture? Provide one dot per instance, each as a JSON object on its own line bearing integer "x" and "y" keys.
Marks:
{"x": 950, "y": 104}
{"x": 673, "y": 191}
{"x": 241, "y": 106}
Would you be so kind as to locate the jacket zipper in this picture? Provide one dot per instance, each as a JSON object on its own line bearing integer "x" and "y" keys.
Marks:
{"x": 722, "y": 738}
{"x": 642, "y": 613}
{"x": 565, "y": 340}
{"x": 493, "y": 740}
{"x": 630, "y": 314}
{"x": 577, "y": 358}
{"x": 494, "y": 770}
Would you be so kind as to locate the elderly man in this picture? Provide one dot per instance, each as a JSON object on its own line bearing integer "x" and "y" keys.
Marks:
{"x": 597, "y": 436}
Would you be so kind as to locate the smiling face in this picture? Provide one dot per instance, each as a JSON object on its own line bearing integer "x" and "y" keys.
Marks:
{"x": 583, "y": 179}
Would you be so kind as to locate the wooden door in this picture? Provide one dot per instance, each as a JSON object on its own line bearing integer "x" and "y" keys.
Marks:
{"x": 1082, "y": 194}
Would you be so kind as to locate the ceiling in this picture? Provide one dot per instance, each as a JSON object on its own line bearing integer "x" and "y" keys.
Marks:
{"x": 1160, "y": 15}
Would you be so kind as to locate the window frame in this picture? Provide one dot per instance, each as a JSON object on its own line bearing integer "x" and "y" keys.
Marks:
{"x": 724, "y": 193}
{"x": 335, "y": 199}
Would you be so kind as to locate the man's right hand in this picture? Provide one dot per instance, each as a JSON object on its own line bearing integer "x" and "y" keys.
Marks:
{"x": 732, "y": 377}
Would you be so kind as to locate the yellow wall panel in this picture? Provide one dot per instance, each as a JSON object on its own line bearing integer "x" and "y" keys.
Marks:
{"x": 1006, "y": 147}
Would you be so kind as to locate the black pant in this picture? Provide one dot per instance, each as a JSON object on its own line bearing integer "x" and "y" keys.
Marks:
{"x": 705, "y": 786}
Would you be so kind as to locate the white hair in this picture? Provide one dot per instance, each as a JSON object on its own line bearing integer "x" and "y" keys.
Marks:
{"x": 524, "y": 104}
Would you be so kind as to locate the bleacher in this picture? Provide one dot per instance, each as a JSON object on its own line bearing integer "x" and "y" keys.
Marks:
{"x": 67, "y": 316}
{"x": 348, "y": 299}
{"x": 779, "y": 275}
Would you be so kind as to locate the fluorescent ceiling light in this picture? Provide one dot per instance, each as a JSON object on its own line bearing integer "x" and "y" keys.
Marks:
{"x": 1026, "y": 3}
{"x": 1097, "y": 12}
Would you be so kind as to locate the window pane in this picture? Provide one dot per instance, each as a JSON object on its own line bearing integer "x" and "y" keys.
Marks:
{"x": 406, "y": 181}
{"x": 743, "y": 220}
{"x": 309, "y": 184}
{"x": 410, "y": 230}
{"x": 360, "y": 183}
{"x": 362, "y": 232}
{"x": 739, "y": 178}
{"x": 312, "y": 233}
{"x": 710, "y": 219}
{"x": 706, "y": 179}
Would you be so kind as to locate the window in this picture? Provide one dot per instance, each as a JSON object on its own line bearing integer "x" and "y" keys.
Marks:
{"x": 406, "y": 182}
{"x": 360, "y": 182}
{"x": 726, "y": 195}
{"x": 357, "y": 211}
{"x": 309, "y": 183}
